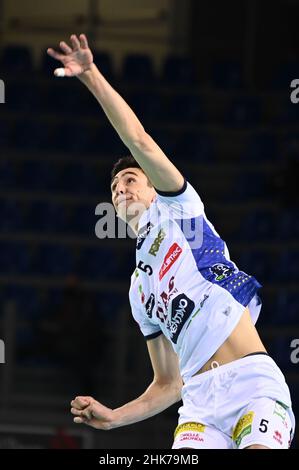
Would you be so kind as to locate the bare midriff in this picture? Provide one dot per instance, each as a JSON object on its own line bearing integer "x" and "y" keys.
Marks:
{"x": 242, "y": 341}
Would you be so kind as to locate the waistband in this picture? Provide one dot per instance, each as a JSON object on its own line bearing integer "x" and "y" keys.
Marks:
{"x": 216, "y": 369}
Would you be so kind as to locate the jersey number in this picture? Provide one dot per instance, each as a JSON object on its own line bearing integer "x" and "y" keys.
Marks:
{"x": 145, "y": 268}
{"x": 264, "y": 425}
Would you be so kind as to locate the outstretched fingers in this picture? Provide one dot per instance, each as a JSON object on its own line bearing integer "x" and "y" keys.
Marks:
{"x": 65, "y": 47}
{"x": 83, "y": 41}
{"x": 75, "y": 42}
{"x": 56, "y": 55}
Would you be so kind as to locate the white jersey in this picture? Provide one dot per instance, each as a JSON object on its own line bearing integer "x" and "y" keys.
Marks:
{"x": 185, "y": 285}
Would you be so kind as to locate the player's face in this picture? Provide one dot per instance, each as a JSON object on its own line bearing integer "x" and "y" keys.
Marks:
{"x": 131, "y": 193}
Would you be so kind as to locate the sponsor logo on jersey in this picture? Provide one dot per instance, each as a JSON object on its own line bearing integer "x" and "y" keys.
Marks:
{"x": 280, "y": 409}
{"x": 165, "y": 296}
{"x": 172, "y": 255}
{"x": 142, "y": 234}
{"x": 142, "y": 296}
{"x": 243, "y": 427}
{"x": 149, "y": 306}
{"x": 277, "y": 437}
{"x": 157, "y": 242}
{"x": 181, "y": 309}
{"x": 201, "y": 304}
{"x": 221, "y": 271}
{"x": 191, "y": 427}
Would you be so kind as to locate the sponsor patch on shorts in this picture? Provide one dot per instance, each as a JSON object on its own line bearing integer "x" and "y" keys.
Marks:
{"x": 243, "y": 427}
{"x": 280, "y": 409}
{"x": 190, "y": 427}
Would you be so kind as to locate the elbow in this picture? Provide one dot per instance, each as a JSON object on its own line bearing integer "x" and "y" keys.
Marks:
{"x": 173, "y": 387}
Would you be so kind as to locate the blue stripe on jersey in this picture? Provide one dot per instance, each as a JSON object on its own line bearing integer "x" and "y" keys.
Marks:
{"x": 214, "y": 266}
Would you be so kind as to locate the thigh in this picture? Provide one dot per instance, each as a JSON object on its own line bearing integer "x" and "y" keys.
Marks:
{"x": 195, "y": 435}
{"x": 265, "y": 422}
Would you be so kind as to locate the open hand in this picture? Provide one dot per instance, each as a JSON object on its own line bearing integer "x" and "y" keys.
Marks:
{"x": 76, "y": 59}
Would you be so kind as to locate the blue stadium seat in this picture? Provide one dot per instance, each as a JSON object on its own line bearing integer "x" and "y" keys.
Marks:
{"x": 46, "y": 217}
{"x": 179, "y": 71}
{"x": 11, "y": 215}
{"x": 79, "y": 139}
{"x": 104, "y": 63}
{"x": 280, "y": 350}
{"x": 38, "y": 175}
{"x": 288, "y": 265}
{"x": 82, "y": 179}
{"x": 258, "y": 263}
{"x": 108, "y": 143}
{"x": 48, "y": 64}
{"x": 62, "y": 97}
{"x": 16, "y": 59}
{"x": 195, "y": 147}
{"x": 166, "y": 140}
{"x": 244, "y": 111}
{"x": 267, "y": 315}
{"x": 284, "y": 74}
{"x": 15, "y": 258}
{"x": 227, "y": 75}
{"x": 53, "y": 300}
{"x": 69, "y": 98}
{"x": 30, "y": 135}
{"x": 5, "y": 134}
{"x": 127, "y": 263}
{"x": 83, "y": 220}
{"x": 27, "y": 300}
{"x": 248, "y": 185}
{"x": 286, "y": 308}
{"x": 97, "y": 263}
{"x": 148, "y": 105}
{"x": 109, "y": 305}
{"x": 138, "y": 68}
{"x": 75, "y": 178}
{"x": 186, "y": 108}
{"x": 7, "y": 174}
{"x": 261, "y": 147}
{"x": 288, "y": 114}
{"x": 54, "y": 260}
{"x": 23, "y": 96}
{"x": 288, "y": 226}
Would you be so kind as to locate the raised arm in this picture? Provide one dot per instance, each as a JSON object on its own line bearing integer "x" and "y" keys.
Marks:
{"x": 164, "y": 391}
{"x": 78, "y": 61}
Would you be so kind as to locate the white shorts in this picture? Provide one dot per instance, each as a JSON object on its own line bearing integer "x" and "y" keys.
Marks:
{"x": 236, "y": 405}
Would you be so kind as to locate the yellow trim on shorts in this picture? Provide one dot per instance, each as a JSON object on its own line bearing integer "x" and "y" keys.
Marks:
{"x": 191, "y": 426}
{"x": 244, "y": 422}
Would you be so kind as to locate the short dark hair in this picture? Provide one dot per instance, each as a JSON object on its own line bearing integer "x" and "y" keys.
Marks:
{"x": 126, "y": 162}
{"x": 123, "y": 163}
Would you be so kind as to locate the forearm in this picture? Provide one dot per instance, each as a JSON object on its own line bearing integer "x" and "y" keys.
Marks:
{"x": 119, "y": 113}
{"x": 154, "y": 400}
{"x": 159, "y": 169}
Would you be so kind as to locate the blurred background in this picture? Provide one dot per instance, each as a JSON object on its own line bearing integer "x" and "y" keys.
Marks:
{"x": 211, "y": 83}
